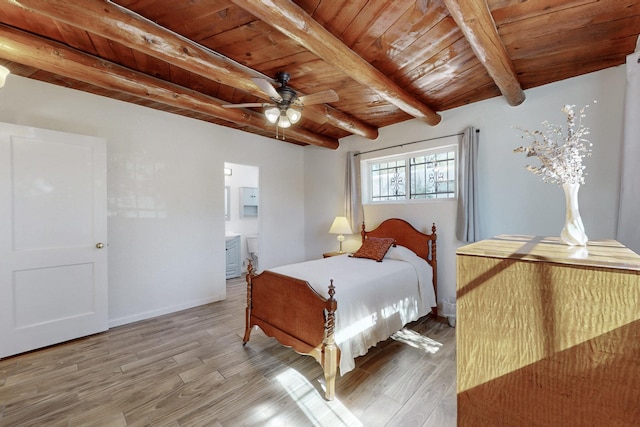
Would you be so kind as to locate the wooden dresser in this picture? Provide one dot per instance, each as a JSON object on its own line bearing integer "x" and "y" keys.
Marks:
{"x": 547, "y": 334}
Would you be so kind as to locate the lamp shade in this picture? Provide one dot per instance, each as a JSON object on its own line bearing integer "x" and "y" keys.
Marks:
{"x": 4, "y": 72}
{"x": 294, "y": 115}
{"x": 340, "y": 226}
{"x": 272, "y": 114}
{"x": 284, "y": 121}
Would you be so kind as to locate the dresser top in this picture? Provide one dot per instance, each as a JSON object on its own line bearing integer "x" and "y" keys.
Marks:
{"x": 597, "y": 253}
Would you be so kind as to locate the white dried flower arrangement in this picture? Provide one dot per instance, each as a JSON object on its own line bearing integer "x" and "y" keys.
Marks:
{"x": 561, "y": 155}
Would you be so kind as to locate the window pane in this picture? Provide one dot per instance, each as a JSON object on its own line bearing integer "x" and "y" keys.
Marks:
{"x": 433, "y": 176}
{"x": 388, "y": 181}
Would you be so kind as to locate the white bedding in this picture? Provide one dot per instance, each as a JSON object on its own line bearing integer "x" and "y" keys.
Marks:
{"x": 375, "y": 299}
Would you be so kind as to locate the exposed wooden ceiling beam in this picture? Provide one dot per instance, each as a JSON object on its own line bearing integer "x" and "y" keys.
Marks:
{"x": 296, "y": 24}
{"x": 476, "y": 22}
{"x": 27, "y": 49}
{"x": 121, "y": 25}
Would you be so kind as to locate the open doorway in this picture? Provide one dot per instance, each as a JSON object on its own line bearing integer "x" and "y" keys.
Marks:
{"x": 242, "y": 210}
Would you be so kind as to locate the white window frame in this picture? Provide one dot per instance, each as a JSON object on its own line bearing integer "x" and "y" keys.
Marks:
{"x": 394, "y": 155}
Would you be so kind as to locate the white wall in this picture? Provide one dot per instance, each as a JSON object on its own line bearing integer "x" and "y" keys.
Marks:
{"x": 512, "y": 200}
{"x": 166, "y": 187}
{"x": 166, "y": 194}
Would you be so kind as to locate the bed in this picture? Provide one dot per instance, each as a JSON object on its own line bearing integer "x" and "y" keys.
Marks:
{"x": 298, "y": 304}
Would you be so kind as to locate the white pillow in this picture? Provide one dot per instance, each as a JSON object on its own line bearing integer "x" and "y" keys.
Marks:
{"x": 401, "y": 253}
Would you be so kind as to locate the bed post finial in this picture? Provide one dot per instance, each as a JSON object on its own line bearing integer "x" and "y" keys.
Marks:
{"x": 363, "y": 233}
{"x": 249, "y": 266}
{"x": 434, "y": 266}
{"x": 247, "y": 328}
{"x": 330, "y": 352}
{"x": 332, "y": 305}
{"x": 434, "y": 237}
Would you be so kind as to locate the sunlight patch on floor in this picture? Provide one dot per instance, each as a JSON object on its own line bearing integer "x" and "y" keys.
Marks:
{"x": 319, "y": 411}
{"x": 414, "y": 339}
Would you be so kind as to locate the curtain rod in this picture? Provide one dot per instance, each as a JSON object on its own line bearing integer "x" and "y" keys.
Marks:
{"x": 413, "y": 142}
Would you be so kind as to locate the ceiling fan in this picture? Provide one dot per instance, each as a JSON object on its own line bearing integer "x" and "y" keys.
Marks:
{"x": 285, "y": 108}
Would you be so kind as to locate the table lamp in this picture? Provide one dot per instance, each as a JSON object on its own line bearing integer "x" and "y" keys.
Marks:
{"x": 340, "y": 227}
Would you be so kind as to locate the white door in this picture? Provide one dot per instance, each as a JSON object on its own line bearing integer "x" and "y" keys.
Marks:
{"x": 53, "y": 226}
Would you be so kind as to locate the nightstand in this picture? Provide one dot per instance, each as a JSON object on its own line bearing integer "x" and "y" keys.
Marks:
{"x": 330, "y": 254}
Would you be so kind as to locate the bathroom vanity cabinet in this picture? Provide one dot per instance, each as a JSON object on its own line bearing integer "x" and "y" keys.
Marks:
{"x": 233, "y": 256}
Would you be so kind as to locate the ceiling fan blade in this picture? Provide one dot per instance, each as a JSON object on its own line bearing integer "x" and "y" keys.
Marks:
{"x": 267, "y": 88}
{"x": 323, "y": 97}
{"x": 245, "y": 105}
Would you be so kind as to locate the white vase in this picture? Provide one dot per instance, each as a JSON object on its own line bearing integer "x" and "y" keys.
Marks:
{"x": 573, "y": 232}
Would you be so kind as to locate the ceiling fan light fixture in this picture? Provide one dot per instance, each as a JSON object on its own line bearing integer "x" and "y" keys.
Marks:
{"x": 284, "y": 121}
{"x": 272, "y": 114}
{"x": 294, "y": 115}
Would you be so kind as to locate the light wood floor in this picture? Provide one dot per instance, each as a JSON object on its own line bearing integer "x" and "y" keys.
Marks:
{"x": 190, "y": 369}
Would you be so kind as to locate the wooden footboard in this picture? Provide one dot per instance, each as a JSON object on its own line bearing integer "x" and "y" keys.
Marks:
{"x": 298, "y": 317}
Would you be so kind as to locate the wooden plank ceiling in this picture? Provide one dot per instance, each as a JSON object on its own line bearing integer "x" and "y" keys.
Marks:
{"x": 388, "y": 61}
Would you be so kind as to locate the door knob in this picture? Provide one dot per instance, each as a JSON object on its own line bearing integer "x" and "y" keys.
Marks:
{"x": 99, "y": 245}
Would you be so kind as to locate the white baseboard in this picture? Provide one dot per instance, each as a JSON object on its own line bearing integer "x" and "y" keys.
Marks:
{"x": 161, "y": 311}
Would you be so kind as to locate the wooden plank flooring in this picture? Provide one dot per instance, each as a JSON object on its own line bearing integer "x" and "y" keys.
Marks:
{"x": 190, "y": 369}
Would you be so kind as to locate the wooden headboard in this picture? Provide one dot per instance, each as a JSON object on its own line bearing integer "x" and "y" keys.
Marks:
{"x": 424, "y": 245}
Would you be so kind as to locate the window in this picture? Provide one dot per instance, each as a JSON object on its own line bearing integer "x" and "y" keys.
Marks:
{"x": 388, "y": 180}
{"x": 427, "y": 174}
